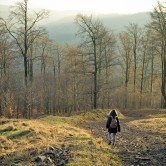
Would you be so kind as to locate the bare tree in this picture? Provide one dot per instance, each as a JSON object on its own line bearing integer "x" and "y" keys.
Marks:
{"x": 144, "y": 57}
{"x": 135, "y": 33}
{"x": 44, "y": 49}
{"x": 125, "y": 52}
{"x": 107, "y": 60}
{"x": 144, "y": 61}
{"x": 154, "y": 53}
{"x": 158, "y": 24}
{"x": 91, "y": 32}
{"x": 21, "y": 26}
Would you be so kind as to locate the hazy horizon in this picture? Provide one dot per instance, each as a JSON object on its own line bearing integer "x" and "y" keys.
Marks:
{"x": 93, "y": 6}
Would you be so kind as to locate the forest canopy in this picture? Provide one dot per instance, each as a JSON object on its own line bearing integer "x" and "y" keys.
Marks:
{"x": 40, "y": 76}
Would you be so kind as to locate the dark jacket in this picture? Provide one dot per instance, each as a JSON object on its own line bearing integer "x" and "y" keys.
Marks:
{"x": 112, "y": 130}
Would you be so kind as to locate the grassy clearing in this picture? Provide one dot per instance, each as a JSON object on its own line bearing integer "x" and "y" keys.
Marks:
{"x": 21, "y": 140}
{"x": 152, "y": 123}
{"x": 148, "y": 120}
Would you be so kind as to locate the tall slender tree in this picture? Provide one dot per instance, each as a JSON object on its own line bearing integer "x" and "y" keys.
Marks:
{"x": 158, "y": 24}
{"x": 135, "y": 32}
{"x": 90, "y": 31}
{"x": 93, "y": 34}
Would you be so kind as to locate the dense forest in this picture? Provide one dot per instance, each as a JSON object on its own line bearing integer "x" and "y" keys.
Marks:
{"x": 38, "y": 76}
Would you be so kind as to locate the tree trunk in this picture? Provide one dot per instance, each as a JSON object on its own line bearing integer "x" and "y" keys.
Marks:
{"x": 163, "y": 90}
{"x": 95, "y": 77}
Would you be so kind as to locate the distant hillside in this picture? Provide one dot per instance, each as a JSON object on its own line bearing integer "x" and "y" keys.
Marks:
{"x": 62, "y": 29}
{"x": 118, "y": 22}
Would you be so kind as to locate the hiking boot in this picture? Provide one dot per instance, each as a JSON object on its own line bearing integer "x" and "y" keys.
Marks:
{"x": 113, "y": 144}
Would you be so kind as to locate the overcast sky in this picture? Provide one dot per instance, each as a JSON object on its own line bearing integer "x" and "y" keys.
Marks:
{"x": 99, "y": 6}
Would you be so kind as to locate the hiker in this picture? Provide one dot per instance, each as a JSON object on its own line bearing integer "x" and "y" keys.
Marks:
{"x": 113, "y": 127}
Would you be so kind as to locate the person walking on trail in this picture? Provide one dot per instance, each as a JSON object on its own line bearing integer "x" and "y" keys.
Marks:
{"x": 113, "y": 127}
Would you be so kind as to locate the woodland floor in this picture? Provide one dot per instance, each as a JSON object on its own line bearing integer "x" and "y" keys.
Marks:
{"x": 142, "y": 140}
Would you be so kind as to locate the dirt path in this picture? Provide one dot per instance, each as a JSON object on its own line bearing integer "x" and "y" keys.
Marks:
{"x": 135, "y": 147}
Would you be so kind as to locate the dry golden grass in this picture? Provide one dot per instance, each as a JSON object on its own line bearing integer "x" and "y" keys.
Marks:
{"x": 148, "y": 120}
{"x": 95, "y": 115}
{"x": 25, "y": 137}
{"x": 144, "y": 112}
{"x": 151, "y": 124}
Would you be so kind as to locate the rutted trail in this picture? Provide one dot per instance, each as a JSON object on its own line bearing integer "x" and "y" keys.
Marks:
{"x": 135, "y": 147}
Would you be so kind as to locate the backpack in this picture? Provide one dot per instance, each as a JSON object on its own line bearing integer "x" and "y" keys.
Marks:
{"x": 113, "y": 123}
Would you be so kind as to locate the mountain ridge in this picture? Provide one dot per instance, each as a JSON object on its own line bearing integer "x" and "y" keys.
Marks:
{"x": 61, "y": 28}
{"x": 64, "y": 30}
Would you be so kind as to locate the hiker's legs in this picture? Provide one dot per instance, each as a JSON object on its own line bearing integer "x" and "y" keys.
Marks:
{"x": 113, "y": 138}
{"x": 109, "y": 137}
